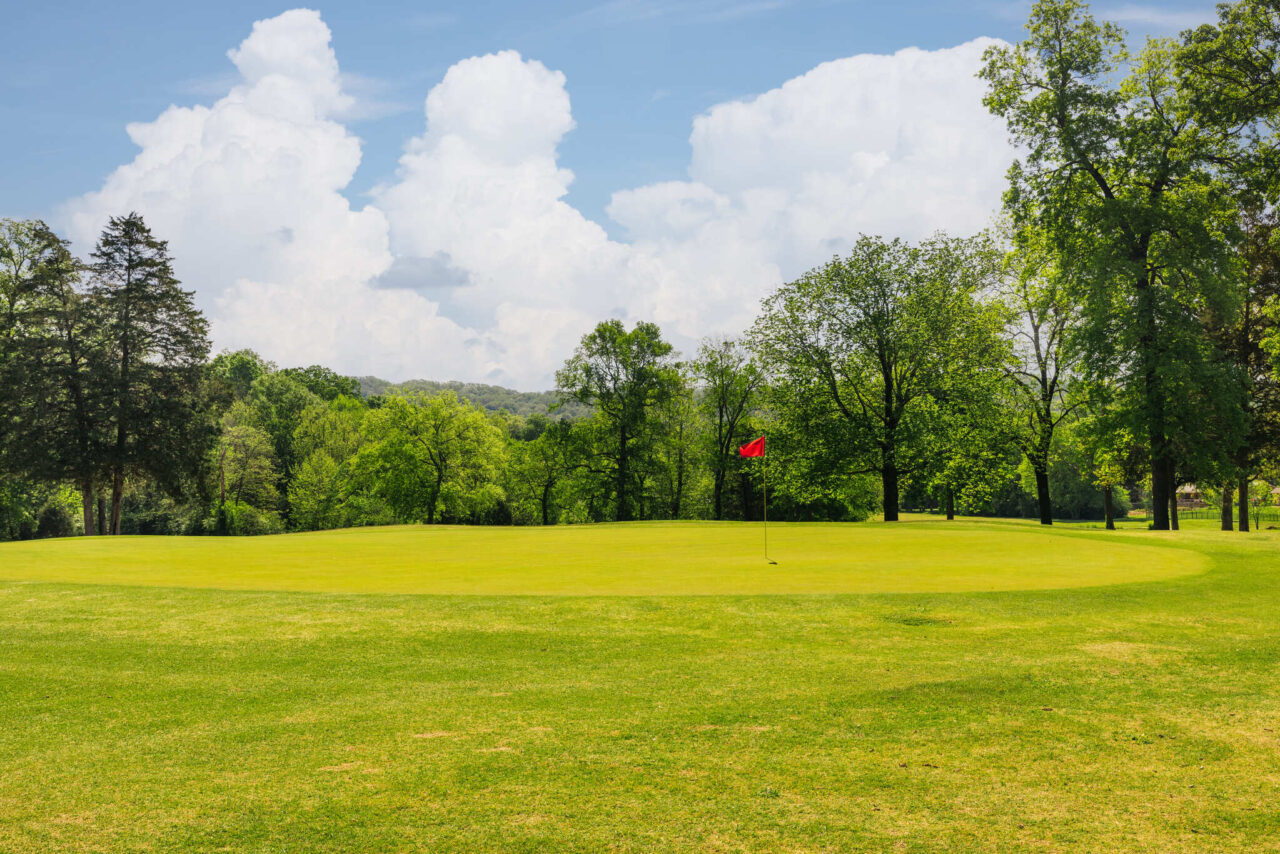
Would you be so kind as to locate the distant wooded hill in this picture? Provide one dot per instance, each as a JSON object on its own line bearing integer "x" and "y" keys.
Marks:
{"x": 491, "y": 397}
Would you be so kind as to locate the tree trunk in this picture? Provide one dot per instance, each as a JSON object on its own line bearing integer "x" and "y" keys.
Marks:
{"x": 1173, "y": 510}
{"x": 623, "y": 511}
{"x": 675, "y": 505}
{"x": 889, "y": 477}
{"x": 86, "y": 501}
{"x": 1160, "y": 492}
{"x": 1042, "y": 495}
{"x": 1150, "y": 359}
{"x": 1109, "y": 508}
{"x": 717, "y": 492}
{"x": 546, "y": 501}
{"x": 117, "y": 499}
{"x": 1227, "y": 507}
{"x": 1244, "y": 503}
{"x": 951, "y": 504}
{"x": 102, "y": 516}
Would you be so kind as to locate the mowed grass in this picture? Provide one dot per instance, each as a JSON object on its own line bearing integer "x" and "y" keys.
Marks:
{"x": 630, "y": 559}
{"x": 927, "y": 687}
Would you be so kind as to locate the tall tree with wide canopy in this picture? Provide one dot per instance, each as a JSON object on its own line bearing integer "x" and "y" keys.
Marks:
{"x": 624, "y": 376}
{"x": 1231, "y": 69}
{"x": 52, "y": 360}
{"x": 1122, "y": 179}
{"x": 158, "y": 342}
{"x": 862, "y": 349}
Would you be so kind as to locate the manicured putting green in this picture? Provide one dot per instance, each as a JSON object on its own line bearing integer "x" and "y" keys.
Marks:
{"x": 631, "y": 559}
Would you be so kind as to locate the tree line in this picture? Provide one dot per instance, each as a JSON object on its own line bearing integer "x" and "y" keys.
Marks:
{"x": 1110, "y": 342}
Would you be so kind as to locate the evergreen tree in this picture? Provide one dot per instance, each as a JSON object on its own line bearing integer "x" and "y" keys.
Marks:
{"x": 158, "y": 343}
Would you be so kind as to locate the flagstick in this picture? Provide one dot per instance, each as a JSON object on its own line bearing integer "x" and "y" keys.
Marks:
{"x": 764, "y": 461}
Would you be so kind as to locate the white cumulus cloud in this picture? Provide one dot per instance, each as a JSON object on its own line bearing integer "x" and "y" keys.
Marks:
{"x": 470, "y": 264}
{"x": 248, "y": 193}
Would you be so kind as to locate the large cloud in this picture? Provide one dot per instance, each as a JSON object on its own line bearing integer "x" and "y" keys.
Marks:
{"x": 248, "y": 193}
{"x": 471, "y": 265}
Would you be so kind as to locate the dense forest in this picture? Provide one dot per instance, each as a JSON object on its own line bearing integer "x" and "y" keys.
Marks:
{"x": 1111, "y": 344}
{"x": 492, "y": 398}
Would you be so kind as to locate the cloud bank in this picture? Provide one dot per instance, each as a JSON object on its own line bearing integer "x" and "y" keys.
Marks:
{"x": 470, "y": 265}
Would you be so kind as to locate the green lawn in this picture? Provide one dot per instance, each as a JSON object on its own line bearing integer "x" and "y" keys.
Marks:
{"x": 926, "y": 687}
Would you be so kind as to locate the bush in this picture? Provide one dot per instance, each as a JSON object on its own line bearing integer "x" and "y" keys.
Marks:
{"x": 55, "y": 521}
{"x": 147, "y": 510}
{"x": 241, "y": 520}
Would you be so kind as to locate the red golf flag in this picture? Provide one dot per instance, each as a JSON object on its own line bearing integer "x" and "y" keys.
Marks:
{"x": 754, "y": 448}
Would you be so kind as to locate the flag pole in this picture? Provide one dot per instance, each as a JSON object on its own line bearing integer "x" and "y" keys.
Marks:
{"x": 764, "y": 461}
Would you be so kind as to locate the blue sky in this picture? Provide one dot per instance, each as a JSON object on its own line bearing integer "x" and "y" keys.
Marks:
{"x": 73, "y": 74}
{"x": 460, "y": 191}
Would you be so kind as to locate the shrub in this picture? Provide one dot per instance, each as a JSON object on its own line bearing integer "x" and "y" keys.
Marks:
{"x": 55, "y": 521}
{"x": 238, "y": 520}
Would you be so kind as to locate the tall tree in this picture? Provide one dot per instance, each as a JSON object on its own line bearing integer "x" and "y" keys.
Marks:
{"x": 625, "y": 376}
{"x": 1120, "y": 177}
{"x": 861, "y": 348}
{"x": 52, "y": 362}
{"x": 729, "y": 380}
{"x": 1041, "y": 316}
{"x": 1231, "y": 69}
{"x": 158, "y": 342}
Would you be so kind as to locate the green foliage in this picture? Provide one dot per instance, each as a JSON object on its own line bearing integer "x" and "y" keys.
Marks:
{"x": 537, "y": 469}
{"x": 867, "y": 354}
{"x": 1081, "y": 468}
{"x": 55, "y": 521}
{"x": 317, "y": 494}
{"x": 244, "y": 462}
{"x": 242, "y": 520}
{"x": 323, "y": 382}
{"x": 1231, "y": 71}
{"x": 232, "y": 374}
{"x": 624, "y": 377}
{"x": 1044, "y": 368}
{"x": 159, "y": 345}
{"x": 488, "y": 397}
{"x": 277, "y": 403}
{"x": 431, "y": 458}
{"x": 729, "y": 383}
{"x": 1122, "y": 181}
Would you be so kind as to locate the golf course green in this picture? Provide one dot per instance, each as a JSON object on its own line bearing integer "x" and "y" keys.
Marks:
{"x": 650, "y": 558}
{"x": 929, "y": 686}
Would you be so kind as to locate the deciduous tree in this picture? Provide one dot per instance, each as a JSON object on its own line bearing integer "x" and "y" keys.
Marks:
{"x": 860, "y": 349}
{"x": 624, "y": 376}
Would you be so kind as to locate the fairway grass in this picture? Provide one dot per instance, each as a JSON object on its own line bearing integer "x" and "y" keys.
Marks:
{"x": 639, "y": 559}
{"x": 927, "y": 687}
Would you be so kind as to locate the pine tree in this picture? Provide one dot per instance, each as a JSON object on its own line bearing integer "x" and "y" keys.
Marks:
{"x": 158, "y": 343}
